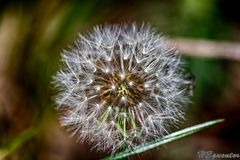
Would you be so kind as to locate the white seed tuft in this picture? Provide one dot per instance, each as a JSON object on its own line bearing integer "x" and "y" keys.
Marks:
{"x": 120, "y": 86}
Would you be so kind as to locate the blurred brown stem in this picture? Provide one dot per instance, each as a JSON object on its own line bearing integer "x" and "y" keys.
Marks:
{"x": 206, "y": 48}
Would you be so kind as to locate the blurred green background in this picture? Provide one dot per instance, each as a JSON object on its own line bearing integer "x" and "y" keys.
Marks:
{"x": 33, "y": 34}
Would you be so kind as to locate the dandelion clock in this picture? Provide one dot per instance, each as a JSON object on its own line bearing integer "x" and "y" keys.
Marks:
{"x": 120, "y": 86}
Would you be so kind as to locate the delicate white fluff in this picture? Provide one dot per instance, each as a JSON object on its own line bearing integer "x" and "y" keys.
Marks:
{"x": 120, "y": 50}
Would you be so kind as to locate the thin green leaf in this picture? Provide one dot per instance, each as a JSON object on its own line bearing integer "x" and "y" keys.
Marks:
{"x": 166, "y": 139}
{"x": 17, "y": 142}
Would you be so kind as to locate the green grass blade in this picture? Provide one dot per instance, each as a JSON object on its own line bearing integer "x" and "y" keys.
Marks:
{"x": 17, "y": 142}
{"x": 168, "y": 138}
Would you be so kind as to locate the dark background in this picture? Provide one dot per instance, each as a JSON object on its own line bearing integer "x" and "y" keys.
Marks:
{"x": 33, "y": 34}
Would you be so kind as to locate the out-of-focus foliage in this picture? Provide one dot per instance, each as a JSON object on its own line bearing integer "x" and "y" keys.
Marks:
{"x": 33, "y": 34}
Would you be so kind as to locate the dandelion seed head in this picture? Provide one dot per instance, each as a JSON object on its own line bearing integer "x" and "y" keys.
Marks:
{"x": 120, "y": 86}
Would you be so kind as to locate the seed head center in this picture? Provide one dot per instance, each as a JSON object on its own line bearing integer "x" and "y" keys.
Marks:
{"x": 123, "y": 90}
{"x": 116, "y": 89}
